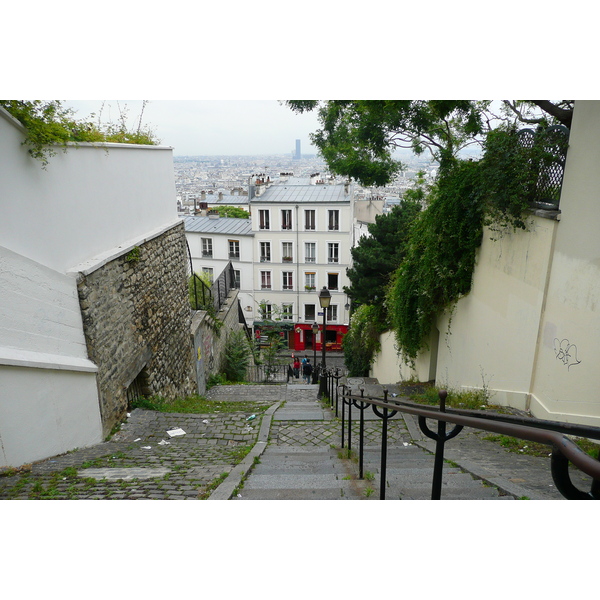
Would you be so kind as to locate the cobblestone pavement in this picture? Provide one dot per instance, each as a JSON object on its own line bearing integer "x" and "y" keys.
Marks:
{"x": 143, "y": 461}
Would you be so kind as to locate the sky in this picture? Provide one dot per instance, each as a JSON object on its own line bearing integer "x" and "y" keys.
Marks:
{"x": 212, "y": 127}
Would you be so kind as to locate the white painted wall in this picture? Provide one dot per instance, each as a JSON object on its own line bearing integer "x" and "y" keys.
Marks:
{"x": 88, "y": 200}
{"x": 45, "y": 412}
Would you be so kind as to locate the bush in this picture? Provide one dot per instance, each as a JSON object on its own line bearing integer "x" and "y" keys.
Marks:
{"x": 236, "y": 357}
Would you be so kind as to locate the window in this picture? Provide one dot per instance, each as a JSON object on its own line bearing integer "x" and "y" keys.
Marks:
{"x": 309, "y": 220}
{"x": 266, "y": 311}
{"x": 332, "y": 281}
{"x": 264, "y": 219}
{"x": 309, "y": 281}
{"x": 207, "y": 247}
{"x": 286, "y": 219}
{"x": 209, "y": 272}
{"x": 237, "y": 279}
{"x": 287, "y": 252}
{"x": 334, "y": 220}
{"x": 234, "y": 249}
{"x": 333, "y": 252}
{"x": 265, "y": 280}
{"x": 265, "y": 251}
{"x": 332, "y": 312}
{"x": 309, "y": 312}
{"x": 287, "y": 312}
{"x": 288, "y": 283}
{"x": 310, "y": 252}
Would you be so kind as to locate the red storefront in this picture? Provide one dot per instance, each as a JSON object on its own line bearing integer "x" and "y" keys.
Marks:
{"x": 302, "y": 338}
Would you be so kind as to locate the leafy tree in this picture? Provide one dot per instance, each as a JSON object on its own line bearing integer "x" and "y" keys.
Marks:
{"x": 362, "y": 340}
{"x": 357, "y": 137}
{"x": 232, "y": 211}
{"x": 378, "y": 255}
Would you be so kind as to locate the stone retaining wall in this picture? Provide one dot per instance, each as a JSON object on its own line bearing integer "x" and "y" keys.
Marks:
{"x": 209, "y": 341}
{"x": 137, "y": 319}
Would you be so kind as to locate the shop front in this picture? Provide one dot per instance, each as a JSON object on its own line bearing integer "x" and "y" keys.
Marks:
{"x": 304, "y": 339}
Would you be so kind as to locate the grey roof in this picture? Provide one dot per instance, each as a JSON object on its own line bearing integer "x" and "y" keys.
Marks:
{"x": 226, "y": 225}
{"x": 303, "y": 194}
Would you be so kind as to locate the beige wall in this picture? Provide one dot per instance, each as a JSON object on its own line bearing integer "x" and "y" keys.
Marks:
{"x": 567, "y": 387}
{"x": 490, "y": 338}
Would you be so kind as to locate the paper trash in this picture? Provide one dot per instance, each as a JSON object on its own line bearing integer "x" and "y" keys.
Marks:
{"x": 177, "y": 431}
{"x": 163, "y": 443}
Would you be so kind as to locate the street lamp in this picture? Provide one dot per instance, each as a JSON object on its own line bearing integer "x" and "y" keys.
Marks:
{"x": 315, "y": 330}
{"x": 324, "y": 301}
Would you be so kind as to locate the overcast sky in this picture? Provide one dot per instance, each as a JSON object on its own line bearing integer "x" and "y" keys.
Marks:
{"x": 208, "y": 127}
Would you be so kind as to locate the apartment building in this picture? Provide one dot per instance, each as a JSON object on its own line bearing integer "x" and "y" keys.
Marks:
{"x": 302, "y": 238}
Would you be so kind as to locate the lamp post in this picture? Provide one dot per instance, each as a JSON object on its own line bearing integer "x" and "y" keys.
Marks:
{"x": 315, "y": 330}
{"x": 324, "y": 301}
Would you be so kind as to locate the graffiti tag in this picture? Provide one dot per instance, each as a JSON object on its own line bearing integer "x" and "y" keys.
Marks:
{"x": 566, "y": 352}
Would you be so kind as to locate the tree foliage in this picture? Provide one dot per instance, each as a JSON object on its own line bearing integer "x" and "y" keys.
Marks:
{"x": 362, "y": 340}
{"x": 440, "y": 257}
{"x": 358, "y": 137}
{"x": 378, "y": 255}
{"x": 232, "y": 211}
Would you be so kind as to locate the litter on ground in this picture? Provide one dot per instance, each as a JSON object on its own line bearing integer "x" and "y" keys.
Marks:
{"x": 176, "y": 431}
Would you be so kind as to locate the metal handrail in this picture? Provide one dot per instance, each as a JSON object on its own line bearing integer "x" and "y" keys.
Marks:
{"x": 551, "y": 433}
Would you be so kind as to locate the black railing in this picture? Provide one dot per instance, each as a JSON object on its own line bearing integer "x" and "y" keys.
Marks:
{"x": 547, "y": 149}
{"x": 551, "y": 433}
{"x": 203, "y": 296}
{"x": 269, "y": 373}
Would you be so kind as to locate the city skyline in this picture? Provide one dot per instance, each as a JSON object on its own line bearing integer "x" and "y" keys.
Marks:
{"x": 211, "y": 127}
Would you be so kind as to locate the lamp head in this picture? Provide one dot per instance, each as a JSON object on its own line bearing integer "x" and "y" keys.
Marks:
{"x": 324, "y": 297}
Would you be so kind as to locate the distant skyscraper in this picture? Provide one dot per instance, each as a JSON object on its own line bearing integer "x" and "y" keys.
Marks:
{"x": 298, "y": 154}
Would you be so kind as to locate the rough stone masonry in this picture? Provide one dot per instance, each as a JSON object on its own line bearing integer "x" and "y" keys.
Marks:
{"x": 136, "y": 320}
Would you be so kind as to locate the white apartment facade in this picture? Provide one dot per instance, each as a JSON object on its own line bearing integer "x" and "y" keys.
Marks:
{"x": 302, "y": 238}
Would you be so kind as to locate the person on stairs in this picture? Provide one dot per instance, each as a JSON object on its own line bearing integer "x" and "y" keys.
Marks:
{"x": 307, "y": 371}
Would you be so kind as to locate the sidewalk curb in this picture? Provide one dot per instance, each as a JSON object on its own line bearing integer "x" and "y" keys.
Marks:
{"x": 237, "y": 474}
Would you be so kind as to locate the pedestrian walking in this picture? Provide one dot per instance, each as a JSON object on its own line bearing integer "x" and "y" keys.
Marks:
{"x": 296, "y": 368}
{"x": 307, "y": 371}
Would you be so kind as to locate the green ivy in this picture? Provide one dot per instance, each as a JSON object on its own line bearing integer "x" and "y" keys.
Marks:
{"x": 440, "y": 259}
{"x": 442, "y": 244}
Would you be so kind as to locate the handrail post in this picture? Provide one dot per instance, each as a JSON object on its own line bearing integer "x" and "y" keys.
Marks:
{"x": 343, "y": 412}
{"x": 438, "y": 465}
{"x": 361, "y": 435}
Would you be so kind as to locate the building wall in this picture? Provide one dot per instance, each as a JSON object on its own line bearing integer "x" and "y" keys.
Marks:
{"x": 298, "y": 236}
{"x": 566, "y": 377}
{"x": 137, "y": 319}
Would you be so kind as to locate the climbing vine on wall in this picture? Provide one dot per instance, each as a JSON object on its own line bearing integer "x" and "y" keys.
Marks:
{"x": 442, "y": 246}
